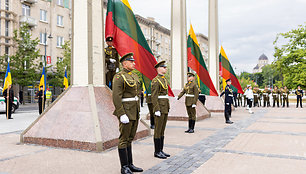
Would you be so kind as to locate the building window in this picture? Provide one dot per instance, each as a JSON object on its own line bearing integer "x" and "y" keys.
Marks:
{"x": 7, "y": 50}
{"x": 59, "y": 20}
{"x": 7, "y": 5}
{"x": 43, "y": 38}
{"x": 60, "y": 41}
{"x": 43, "y": 15}
{"x": 7, "y": 24}
{"x": 60, "y": 2}
{"x": 25, "y": 10}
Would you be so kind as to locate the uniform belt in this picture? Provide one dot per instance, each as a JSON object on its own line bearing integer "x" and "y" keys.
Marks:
{"x": 201, "y": 94}
{"x": 275, "y": 94}
{"x": 255, "y": 94}
{"x": 231, "y": 95}
{"x": 130, "y": 99}
{"x": 189, "y": 95}
{"x": 149, "y": 94}
{"x": 163, "y": 96}
{"x": 264, "y": 93}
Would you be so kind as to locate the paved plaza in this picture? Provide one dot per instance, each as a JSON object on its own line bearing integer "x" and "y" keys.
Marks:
{"x": 272, "y": 140}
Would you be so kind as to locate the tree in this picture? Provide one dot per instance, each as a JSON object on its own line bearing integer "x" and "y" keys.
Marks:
{"x": 57, "y": 78}
{"x": 24, "y": 63}
{"x": 291, "y": 57}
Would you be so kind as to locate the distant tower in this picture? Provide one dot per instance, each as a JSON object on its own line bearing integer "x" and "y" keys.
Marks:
{"x": 262, "y": 61}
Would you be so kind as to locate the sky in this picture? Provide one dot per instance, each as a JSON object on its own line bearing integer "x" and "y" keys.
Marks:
{"x": 247, "y": 28}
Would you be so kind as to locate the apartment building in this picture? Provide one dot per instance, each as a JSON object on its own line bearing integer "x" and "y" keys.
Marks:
{"x": 50, "y": 22}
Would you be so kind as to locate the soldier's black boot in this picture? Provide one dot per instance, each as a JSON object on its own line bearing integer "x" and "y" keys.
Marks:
{"x": 162, "y": 146}
{"x": 158, "y": 153}
{"x": 189, "y": 126}
{"x": 192, "y": 126}
{"x": 124, "y": 161}
{"x": 152, "y": 122}
{"x": 228, "y": 121}
{"x": 130, "y": 161}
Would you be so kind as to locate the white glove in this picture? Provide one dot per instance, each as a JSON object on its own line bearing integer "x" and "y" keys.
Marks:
{"x": 112, "y": 60}
{"x": 124, "y": 119}
{"x": 157, "y": 113}
{"x": 193, "y": 106}
{"x": 117, "y": 70}
{"x": 176, "y": 97}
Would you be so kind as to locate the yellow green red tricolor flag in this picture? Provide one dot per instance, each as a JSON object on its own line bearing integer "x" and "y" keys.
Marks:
{"x": 196, "y": 62}
{"x": 8, "y": 77}
{"x": 227, "y": 72}
{"x": 121, "y": 24}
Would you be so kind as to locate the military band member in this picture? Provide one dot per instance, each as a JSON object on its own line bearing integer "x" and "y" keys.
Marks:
{"x": 161, "y": 106}
{"x": 265, "y": 93}
{"x": 299, "y": 96}
{"x": 259, "y": 92}
{"x": 126, "y": 87}
{"x": 285, "y": 94}
{"x": 228, "y": 101}
{"x": 239, "y": 97}
{"x": 192, "y": 93}
{"x": 275, "y": 95}
{"x": 255, "y": 92}
{"x": 150, "y": 107}
{"x": 244, "y": 98}
{"x": 111, "y": 60}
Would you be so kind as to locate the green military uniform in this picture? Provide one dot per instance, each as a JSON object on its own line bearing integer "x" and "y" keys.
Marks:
{"x": 244, "y": 98}
{"x": 160, "y": 100}
{"x": 239, "y": 97}
{"x": 266, "y": 98}
{"x": 111, "y": 53}
{"x": 150, "y": 107}
{"x": 275, "y": 95}
{"x": 126, "y": 87}
{"x": 192, "y": 93}
{"x": 259, "y": 97}
{"x": 285, "y": 94}
{"x": 255, "y": 93}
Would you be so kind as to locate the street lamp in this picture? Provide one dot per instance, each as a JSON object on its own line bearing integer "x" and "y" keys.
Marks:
{"x": 50, "y": 37}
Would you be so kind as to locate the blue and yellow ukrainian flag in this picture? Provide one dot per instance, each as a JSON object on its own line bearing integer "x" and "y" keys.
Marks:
{"x": 43, "y": 80}
{"x": 66, "y": 79}
{"x": 8, "y": 77}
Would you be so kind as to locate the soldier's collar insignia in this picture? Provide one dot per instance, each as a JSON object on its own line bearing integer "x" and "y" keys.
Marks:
{"x": 129, "y": 73}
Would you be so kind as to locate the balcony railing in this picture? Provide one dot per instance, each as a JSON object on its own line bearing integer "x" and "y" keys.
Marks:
{"x": 27, "y": 19}
{"x": 29, "y": 1}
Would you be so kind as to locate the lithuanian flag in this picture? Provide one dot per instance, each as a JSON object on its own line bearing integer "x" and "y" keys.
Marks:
{"x": 122, "y": 25}
{"x": 227, "y": 72}
{"x": 196, "y": 62}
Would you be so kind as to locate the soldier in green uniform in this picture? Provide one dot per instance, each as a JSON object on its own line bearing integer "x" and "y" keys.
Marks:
{"x": 161, "y": 106}
{"x": 265, "y": 93}
{"x": 244, "y": 97}
{"x": 281, "y": 96}
{"x": 299, "y": 97}
{"x": 255, "y": 92}
{"x": 239, "y": 97}
{"x": 150, "y": 107}
{"x": 192, "y": 93}
{"x": 275, "y": 95}
{"x": 111, "y": 60}
{"x": 126, "y": 87}
{"x": 259, "y": 92}
{"x": 285, "y": 94}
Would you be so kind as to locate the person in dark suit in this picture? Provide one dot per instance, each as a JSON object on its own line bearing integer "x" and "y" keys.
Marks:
{"x": 41, "y": 96}
{"x": 228, "y": 101}
{"x": 8, "y": 95}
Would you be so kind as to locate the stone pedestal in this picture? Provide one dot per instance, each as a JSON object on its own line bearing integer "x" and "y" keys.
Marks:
{"x": 80, "y": 119}
{"x": 214, "y": 104}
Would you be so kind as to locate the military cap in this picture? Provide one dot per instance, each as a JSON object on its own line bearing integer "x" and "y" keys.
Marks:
{"x": 161, "y": 64}
{"x": 248, "y": 85}
{"x": 228, "y": 80}
{"x": 128, "y": 56}
{"x": 109, "y": 39}
{"x": 190, "y": 74}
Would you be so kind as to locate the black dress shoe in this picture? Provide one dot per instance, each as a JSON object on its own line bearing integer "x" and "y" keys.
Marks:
{"x": 187, "y": 131}
{"x": 229, "y": 122}
{"x": 191, "y": 131}
{"x": 126, "y": 170}
{"x": 152, "y": 126}
{"x": 135, "y": 169}
{"x": 160, "y": 155}
{"x": 167, "y": 155}
{"x": 10, "y": 118}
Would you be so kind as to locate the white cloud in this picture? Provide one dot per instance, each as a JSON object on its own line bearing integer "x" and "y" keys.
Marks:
{"x": 247, "y": 28}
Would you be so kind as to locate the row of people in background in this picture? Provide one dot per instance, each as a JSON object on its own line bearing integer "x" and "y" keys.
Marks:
{"x": 280, "y": 97}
